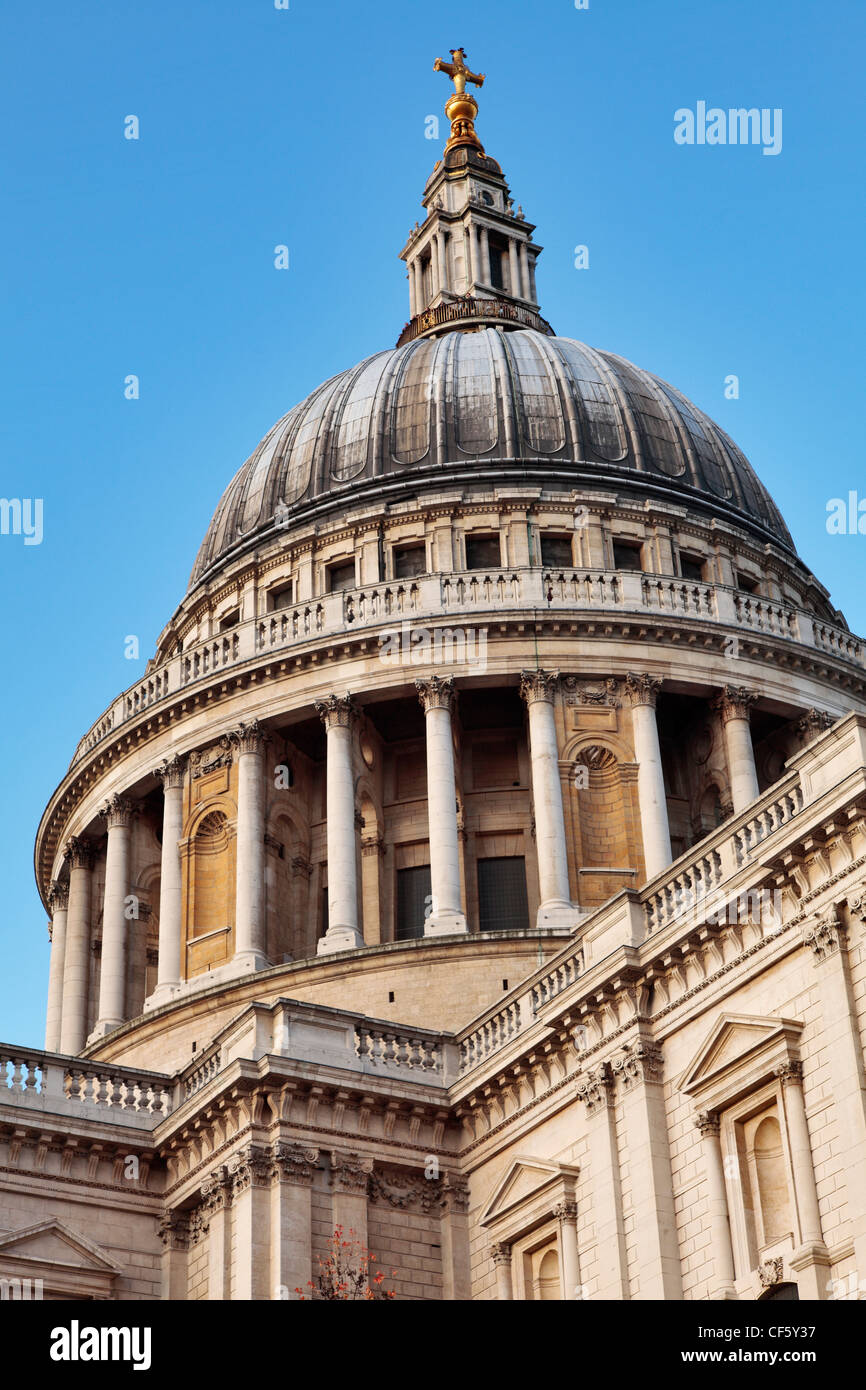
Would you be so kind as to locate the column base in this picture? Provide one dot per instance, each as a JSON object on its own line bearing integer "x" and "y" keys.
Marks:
{"x": 339, "y": 939}
{"x": 104, "y": 1026}
{"x": 445, "y": 923}
{"x": 163, "y": 994}
{"x": 243, "y": 961}
{"x": 557, "y": 913}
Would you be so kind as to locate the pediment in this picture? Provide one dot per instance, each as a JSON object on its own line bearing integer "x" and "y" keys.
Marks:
{"x": 54, "y": 1245}
{"x": 737, "y": 1042}
{"x": 525, "y": 1181}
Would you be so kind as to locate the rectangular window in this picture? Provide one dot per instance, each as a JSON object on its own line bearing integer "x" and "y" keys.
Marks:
{"x": 410, "y": 560}
{"x": 413, "y": 900}
{"x": 281, "y": 597}
{"x": 627, "y": 555}
{"x": 502, "y": 901}
{"x": 230, "y": 620}
{"x": 556, "y": 551}
{"x": 692, "y": 568}
{"x": 341, "y": 576}
{"x": 497, "y": 278}
{"x": 483, "y": 552}
{"x": 746, "y": 584}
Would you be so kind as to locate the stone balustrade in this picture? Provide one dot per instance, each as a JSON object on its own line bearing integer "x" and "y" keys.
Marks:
{"x": 466, "y": 595}
{"x": 51, "y": 1083}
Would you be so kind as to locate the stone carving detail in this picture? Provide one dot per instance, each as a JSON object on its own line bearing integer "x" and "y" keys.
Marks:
{"x": 596, "y": 1088}
{"x": 733, "y": 702}
{"x": 824, "y": 935}
{"x": 173, "y": 1230}
{"x": 58, "y": 896}
{"x": 436, "y": 693}
{"x": 117, "y": 810}
{"x": 500, "y": 1253}
{"x": 301, "y": 866}
{"x": 539, "y": 685}
{"x": 639, "y": 1061}
{"x": 294, "y": 1163}
{"x": 565, "y": 1211}
{"x": 79, "y": 851}
{"x": 857, "y": 906}
{"x": 351, "y": 1172}
{"x": 770, "y": 1272}
{"x": 171, "y": 771}
{"x": 591, "y": 692}
{"x": 216, "y": 1190}
{"x": 641, "y": 689}
{"x": 337, "y": 711}
{"x": 199, "y": 1224}
{"x": 455, "y": 1194}
{"x": 402, "y": 1190}
{"x": 249, "y": 1168}
{"x": 207, "y": 760}
{"x": 708, "y": 1122}
{"x": 789, "y": 1073}
{"x": 813, "y": 723}
{"x": 374, "y": 846}
{"x": 248, "y": 737}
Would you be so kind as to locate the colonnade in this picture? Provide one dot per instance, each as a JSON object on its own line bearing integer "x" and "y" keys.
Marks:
{"x": 477, "y": 273}
{"x": 71, "y": 902}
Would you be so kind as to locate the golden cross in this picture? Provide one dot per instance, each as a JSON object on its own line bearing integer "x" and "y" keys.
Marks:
{"x": 458, "y": 71}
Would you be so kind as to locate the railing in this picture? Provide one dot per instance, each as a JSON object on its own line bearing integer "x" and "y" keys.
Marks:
{"x": 559, "y": 978}
{"x": 489, "y": 1036}
{"x": 473, "y": 592}
{"x": 382, "y": 1048}
{"x": 44, "y": 1080}
{"x": 468, "y": 308}
{"x": 202, "y": 1071}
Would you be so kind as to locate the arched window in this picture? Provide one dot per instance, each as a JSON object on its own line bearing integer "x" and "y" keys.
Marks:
{"x": 772, "y": 1180}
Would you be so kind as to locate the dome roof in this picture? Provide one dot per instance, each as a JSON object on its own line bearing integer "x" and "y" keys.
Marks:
{"x": 496, "y": 405}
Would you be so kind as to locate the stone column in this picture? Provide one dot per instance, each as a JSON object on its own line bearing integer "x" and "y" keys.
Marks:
{"x": 810, "y": 1259}
{"x": 447, "y": 916}
{"x": 485, "y": 255}
{"x": 733, "y": 706}
{"x": 722, "y": 1283}
{"x": 338, "y": 715}
{"x": 216, "y": 1191}
{"x": 638, "y": 1070}
{"x": 413, "y": 291}
{"x": 641, "y": 692}
{"x": 250, "y": 1173}
{"x": 825, "y": 938}
{"x": 76, "y": 965}
{"x": 442, "y": 249}
{"x": 472, "y": 233}
{"x": 291, "y": 1218}
{"x": 500, "y": 1253}
{"x": 538, "y": 689}
{"x": 350, "y": 1177}
{"x": 169, "y": 972}
{"x": 524, "y": 271}
{"x": 174, "y": 1234}
{"x": 435, "y": 273}
{"x": 58, "y": 901}
{"x": 454, "y": 1229}
{"x": 566, "y": 1215}
{"x": 595, "y": 1089}
{"x": 250, "y": 923}
{"x": 514, "y": 264}
{"x": 117, "y": 814}
{"x": 533, "y": 292}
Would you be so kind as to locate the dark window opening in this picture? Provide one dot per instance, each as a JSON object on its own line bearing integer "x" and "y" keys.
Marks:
{"x": 410, "y": 560}
{"x": 497, "y": 270}
{"x": 413, "y": 901}
{"x": 282, "y": 597}
{"x": 483, "y": 552}
{"x": 745, "y": 584}
{"x": 502, "y": 901}
{"x": 692, "y": 568}
{"x": 390, "y": 996}
{"x": 324, "y": 930}
{"x": 627, "y": 555}
{"x": 230, "y": 620}
{"x": 556, "y": 551}
{"x": 341, "y": 577}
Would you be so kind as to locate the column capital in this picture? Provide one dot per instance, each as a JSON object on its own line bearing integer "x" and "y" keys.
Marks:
{"x": 789, "y": 1073}
{"x": 79, "y": 851}
{"x": 58, "y": 895}
{"x": 708, "y": 1123}
{"x": 641, "y": 689}
{"x": 170, "y": 771}
{"x": 216, "y": 1190}
{"x": 539, "y": 685}
{"x": 813, "y": 723}
{"x": 118, "y": 811}
{"x": 173, "y": 1230}
{"x": 350, "y": 1172}
{"x": 596, "y": 1088}
{"x": 454, "y": 1194}
{"x": 824, "y": 935}
{"x": 733, "y": 702}
{"x": 500, "y": 1253}
{"x": 436, "y": 693}
{"x": 249, "y": 1168}
{"x": 565, "y": 1211}
{"x": 294, "y": 1163}
{"x": 337, "y": 711}
{"x": 638, "y": 1062}
{"x": 248, "y": 737}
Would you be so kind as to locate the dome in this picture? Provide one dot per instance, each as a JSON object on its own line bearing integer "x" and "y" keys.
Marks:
{"x": 494, "y": 404}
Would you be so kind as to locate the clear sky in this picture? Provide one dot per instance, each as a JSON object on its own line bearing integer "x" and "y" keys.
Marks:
{"x": 306, "y": 127}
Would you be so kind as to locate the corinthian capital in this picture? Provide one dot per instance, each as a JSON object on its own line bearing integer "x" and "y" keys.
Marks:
{"x": 436, "y": 693}
{"x": 171, "y": 771}
{"x": 249, "y": 737}
{"x": 824, "y": 935}
{"x": 641, "y": 689}
{"x": 58, "y": 896}
{"x": 79, "y": 851}
{"x": 733, "y": 702}
{"x": 337, "y": 711}
{"x": 539, "y": 685}
{"x": 118, "y": 810}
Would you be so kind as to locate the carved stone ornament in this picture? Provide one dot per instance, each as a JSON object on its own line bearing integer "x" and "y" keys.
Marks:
{"x": 171, "y": 771}
{"x": 707, "y": 1122}
{"x": 58, "y": 896}
{"x": 337, "y": 711}
{"x": 216, "y": 1190}
{"x": 641, "y": 689}
{"x": 500, "y": 1253}
{"x": 294, "y": 1163}
{"x": 79, "y": 851}
{"x": 436, "y": 693}
{"x": 249, "y": 1168}
{"x": 205, "y": 760}
{"x": 789, "y": 1073}
{"x": 539, "y": 685}
{"x": 173, "y": 1230}
{"x": 638, "y": 1062}
{"x": 857, "y": 906}
{"x": 248, "y": 737}
{"x": 118, "y": 811}
{"x": 402, "y": 1190}
{"x": 771, "y": 1272}
{"x": 595, "y": 1088}
{"x": 455, "y": 1194}
{"x": 565, "y": 1211}
{"x": 597, "y": 693}
{"x": 824, "y": 935}
{"x": 733, "y": 702}
{"x": 350, "y": 1172}
{"x": 813, "y": 723}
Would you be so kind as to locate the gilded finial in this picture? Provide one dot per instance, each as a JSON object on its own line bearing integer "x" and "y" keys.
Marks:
{"x": 461, "y": 108}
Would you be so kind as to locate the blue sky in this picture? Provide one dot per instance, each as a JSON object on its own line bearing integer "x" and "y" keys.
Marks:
{"x": 306, "y": 127}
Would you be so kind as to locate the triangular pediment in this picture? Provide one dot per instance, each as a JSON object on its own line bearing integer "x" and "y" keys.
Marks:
{"x": 733, "y": 1041}
{"x": 524, "y": 1180}
{"x": 52, "y": 1243}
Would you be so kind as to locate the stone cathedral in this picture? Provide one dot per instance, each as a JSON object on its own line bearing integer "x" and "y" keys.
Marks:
{"x": 479, "y": 862}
